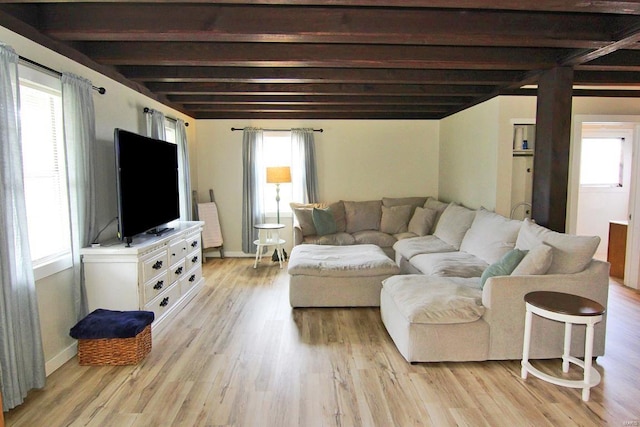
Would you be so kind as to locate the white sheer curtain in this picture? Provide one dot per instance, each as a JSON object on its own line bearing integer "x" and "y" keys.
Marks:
{"x": 21, "y": 356}
{"x": 303, "y": 166}
{"x": 155, "y": 125}
{"x": 253, "y": 180}
{"x": 79, "y": 139}
{"x": 186, "y": 210}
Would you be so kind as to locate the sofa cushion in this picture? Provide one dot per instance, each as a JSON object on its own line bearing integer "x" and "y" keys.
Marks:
{"x": 363, "y": 215}
{"x": 436, "y": 205}
{"x": 414, "y": 202}
{"x": 374, "y": 237}
{"x": 422, "y": 221}
{"x": 409, "y": 248}
{"x": 423, "y": 299}
{"x": 491, "y": 236}
{"x": 449, "y": 264}
{"x": 453, "y": 224}
{"x": 323, "y": 221}
{"x": 405, "y": 235}
{"x": 335, "y": 239}
{"x": 395, "y": 219}
{"x": 536, "y": 261}
{"x": 337, "y": 209}
{"x": 571, "y": 253}
{"x": 504, "y": 266}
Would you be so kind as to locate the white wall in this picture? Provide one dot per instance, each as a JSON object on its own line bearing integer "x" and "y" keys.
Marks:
{"x": 357, "y": 160}
{"x": 469, "y": 156}
{"x": 119, "y": 107}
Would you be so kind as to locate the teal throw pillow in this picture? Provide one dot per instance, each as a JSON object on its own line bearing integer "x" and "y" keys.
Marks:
{"x": 323, "y": 221}
{"x": 504, "y": 266}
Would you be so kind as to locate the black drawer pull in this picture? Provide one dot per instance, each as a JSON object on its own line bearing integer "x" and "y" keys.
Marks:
{"x": 179, "y": 270}
{"x": 194, "y": 259}
{"x": 157, "y": 265}
{"x": 158, "y": 285}
{"x": 192, "y": 278}
{"x": 194, "y": 243}
{"x": 164, "y": 302}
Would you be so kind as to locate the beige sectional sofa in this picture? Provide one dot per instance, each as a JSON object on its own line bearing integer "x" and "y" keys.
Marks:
{"x": 464, "y": 274}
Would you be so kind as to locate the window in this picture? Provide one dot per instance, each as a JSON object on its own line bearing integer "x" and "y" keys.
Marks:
{"x": 277, "y": 152}
{"x": 602, "y": 162}
{"x": 45, "y": 178}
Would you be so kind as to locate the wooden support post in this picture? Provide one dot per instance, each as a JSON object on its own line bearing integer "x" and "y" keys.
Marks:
{"x": 551, "y": 160}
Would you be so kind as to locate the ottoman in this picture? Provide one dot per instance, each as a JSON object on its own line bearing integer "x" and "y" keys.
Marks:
{"x": 110, "y": 337}
{"x": 338, "y": 276}
{"x": 432, "y": 319}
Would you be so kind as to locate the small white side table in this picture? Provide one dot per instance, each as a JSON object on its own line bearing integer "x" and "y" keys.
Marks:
{"x": 269, "y": 235}
{"x": 570, "y": 309}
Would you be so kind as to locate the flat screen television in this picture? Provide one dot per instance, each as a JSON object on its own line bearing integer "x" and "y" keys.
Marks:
{"x": 147, "y": 184}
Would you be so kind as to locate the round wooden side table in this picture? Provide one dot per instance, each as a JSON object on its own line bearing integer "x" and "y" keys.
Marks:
{"x": 572, "y": 310}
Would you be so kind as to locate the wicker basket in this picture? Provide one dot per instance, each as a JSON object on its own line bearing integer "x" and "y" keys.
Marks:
{"x": 115, "y": 351}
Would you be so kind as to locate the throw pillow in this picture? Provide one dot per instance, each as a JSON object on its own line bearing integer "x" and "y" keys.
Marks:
{"x": 491, "y": 235}
{"x": 504, "y": 267}
{"x": 422, "y": 221}
{"x": 323, "y": 221}
{"x": 304, "y": 219}
{"x": 395, "y": 219}
{"x": 453, "y": 224}
{"x": 363, "y": 215}
{"x": 571, "y": 253}
{"x": 438, "y": 206}
{"x": 536, "y": 261}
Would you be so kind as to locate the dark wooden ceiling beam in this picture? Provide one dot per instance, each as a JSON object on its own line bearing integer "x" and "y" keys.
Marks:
{"x": 319, "y": 107}
{"x": 579, "y": 6}
{"x": 315, "y": 55}
{"x": 287, "y": 24}
{"x": 319, "y": 99}
{"x": 317, "y": 75}
{"x": 320, "y": 115}
{"x": 317, "y": 89}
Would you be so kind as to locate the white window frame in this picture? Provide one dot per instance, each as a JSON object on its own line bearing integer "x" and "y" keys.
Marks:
{"x": 48, "y": 266}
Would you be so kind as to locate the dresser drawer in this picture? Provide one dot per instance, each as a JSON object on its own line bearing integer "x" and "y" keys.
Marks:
{"x": 177, "y": 250}
{"x": 156, "y": 286}
{"x": 154, "y": 264}
{"x": 164, "y": 301}
{"x": 177, "y": 270}
{"x": 192, "y": 277}
{"x": 193, "y": 242}
{"x": 194, "y": 258}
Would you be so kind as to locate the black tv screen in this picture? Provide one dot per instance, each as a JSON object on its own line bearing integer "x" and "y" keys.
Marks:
{"x": 147, "y": 183}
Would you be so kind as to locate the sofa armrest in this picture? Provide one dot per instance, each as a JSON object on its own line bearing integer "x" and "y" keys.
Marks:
{"x": 503, "y": 298}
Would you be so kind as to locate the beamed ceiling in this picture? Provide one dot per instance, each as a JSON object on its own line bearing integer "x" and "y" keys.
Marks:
{"x": 349, "y": 59}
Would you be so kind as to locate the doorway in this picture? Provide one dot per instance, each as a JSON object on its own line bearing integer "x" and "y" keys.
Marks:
{"x": 604, "y": 190}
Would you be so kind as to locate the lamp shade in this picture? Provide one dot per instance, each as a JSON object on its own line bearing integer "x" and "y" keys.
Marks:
{"x": 278, "y": 174}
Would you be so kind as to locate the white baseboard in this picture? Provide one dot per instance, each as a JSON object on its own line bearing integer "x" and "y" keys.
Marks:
{"x": 60, "y": 359}
{"x": 227, "y": 254}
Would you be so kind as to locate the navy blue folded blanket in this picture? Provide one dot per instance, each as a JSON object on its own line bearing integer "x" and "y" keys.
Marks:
{"x": 103, "y": 323}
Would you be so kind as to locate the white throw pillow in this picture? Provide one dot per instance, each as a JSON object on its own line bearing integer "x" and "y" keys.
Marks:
{"x": 536, "y": 262}
{"x": 453, "y": 224}
{"x": 491, "y": 236}
{"x": 571, "y": 253}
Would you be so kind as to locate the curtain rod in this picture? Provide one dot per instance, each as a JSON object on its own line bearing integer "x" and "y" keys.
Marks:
{"x": 150, "y": 110}
{"x": 278, "y": 130}
{"x": 100, "y": 90}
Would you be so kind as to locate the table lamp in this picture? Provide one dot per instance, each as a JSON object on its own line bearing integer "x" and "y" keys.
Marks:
{"x": 278, "y": 175}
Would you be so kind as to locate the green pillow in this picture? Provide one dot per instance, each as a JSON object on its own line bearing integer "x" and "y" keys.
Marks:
{"x": 323, "y": 221}
{"x": 504, "y": 266}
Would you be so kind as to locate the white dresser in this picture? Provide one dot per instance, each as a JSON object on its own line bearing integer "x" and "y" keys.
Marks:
{"x": 157, "y": 273}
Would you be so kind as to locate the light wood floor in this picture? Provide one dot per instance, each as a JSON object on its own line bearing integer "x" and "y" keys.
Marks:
{"x": 239, "y": 355}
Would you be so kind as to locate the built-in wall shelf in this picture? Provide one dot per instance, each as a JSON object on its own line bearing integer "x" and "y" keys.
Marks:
{"x": 523, "y": 153}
